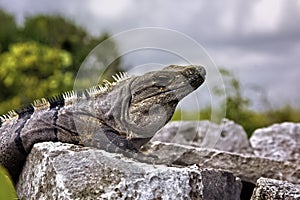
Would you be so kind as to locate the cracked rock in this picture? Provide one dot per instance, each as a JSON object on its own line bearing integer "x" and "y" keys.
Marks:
{"x": 279, "y": 142}
{"x": 66, "y": 171}
{"x": 268, "y": 189}
{"x": 228, "y": 136}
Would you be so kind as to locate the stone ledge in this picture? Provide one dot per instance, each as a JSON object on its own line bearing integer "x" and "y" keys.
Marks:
{"x": 65, "y": 171}
{"x": 249, "y": 168}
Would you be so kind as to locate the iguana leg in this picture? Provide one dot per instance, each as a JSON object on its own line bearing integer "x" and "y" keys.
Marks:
{"x": 119, "y": 144}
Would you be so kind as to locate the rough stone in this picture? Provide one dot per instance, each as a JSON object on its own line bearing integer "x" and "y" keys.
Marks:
{"x": 269, "y": 189}
{"x": 228, "y": 136}
{"x": 248, "y": 167}
{"x": 279, "y": 142}
{"x": 65, "y": 171}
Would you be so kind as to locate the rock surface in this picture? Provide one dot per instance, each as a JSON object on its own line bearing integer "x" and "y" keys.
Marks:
{"x": 65, "y": 171}
{"x": 248, "y": 167}
{"x": 274, "y": 189}
{"x": 279, "y": 141}
{"x": 228, "y": 136}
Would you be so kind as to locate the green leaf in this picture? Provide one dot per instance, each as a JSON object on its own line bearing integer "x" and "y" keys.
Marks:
{"x": 7, "y": 190}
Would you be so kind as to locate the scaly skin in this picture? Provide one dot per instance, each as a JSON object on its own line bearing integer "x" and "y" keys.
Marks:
{"x": 119, "y": 117}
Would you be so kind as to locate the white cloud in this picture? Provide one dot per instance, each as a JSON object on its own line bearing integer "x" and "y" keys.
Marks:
{"x": 107, "y": 9}
{"x": 265, "y": 16}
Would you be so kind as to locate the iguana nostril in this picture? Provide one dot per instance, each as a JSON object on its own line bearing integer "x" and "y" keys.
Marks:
{"x": 195, "y": 75}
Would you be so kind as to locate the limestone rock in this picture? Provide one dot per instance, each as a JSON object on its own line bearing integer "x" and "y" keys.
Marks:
{"x": 228, "y": 136}
{"x": 248, "y": 167}
{"x": 269, "y": 189}
{"x": 279, "y": 141}
{"x": 65, "y": 171}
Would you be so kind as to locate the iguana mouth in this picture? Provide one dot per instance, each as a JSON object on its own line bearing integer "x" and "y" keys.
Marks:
{"x": 165, "y": 92}
{"x": 191, "y": 80}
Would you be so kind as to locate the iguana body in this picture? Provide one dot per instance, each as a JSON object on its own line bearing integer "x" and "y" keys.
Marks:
{"x": 119, "y": 116}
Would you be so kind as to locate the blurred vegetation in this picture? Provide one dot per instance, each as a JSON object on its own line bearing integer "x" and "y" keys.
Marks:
{"x": 58, "y": 32}
{"x": 238, "y": 109}
{"x": 8, "y": 30}
{"x": 41, "y": 58}
{"x": 30, "y": 70}
{"x": 7, "y": 190}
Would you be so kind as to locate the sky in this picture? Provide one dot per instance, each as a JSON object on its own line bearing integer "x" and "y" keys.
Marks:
{"x": 259, "y": 40}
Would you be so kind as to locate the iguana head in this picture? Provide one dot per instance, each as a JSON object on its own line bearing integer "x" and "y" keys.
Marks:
{"x": 144, "y": 104}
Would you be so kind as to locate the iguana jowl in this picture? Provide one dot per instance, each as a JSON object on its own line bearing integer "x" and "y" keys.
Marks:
{"x": 117, "y": 117}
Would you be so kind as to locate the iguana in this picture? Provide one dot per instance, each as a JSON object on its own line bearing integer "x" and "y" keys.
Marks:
{"x": 117, "y": 117}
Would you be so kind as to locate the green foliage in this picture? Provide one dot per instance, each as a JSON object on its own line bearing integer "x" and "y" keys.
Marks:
{"x": 237, "y": 108}
{"x": 285, "y": 113}
{"x": 53, "y": 31}
{"x": 7, "y": 190}
{"x": 8, "y": 30}
{"x": 58, "y": 32}
{"x": 41, "y": 58}
{"x": 204, "y": 114}
{"x": 30, "y": 70}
